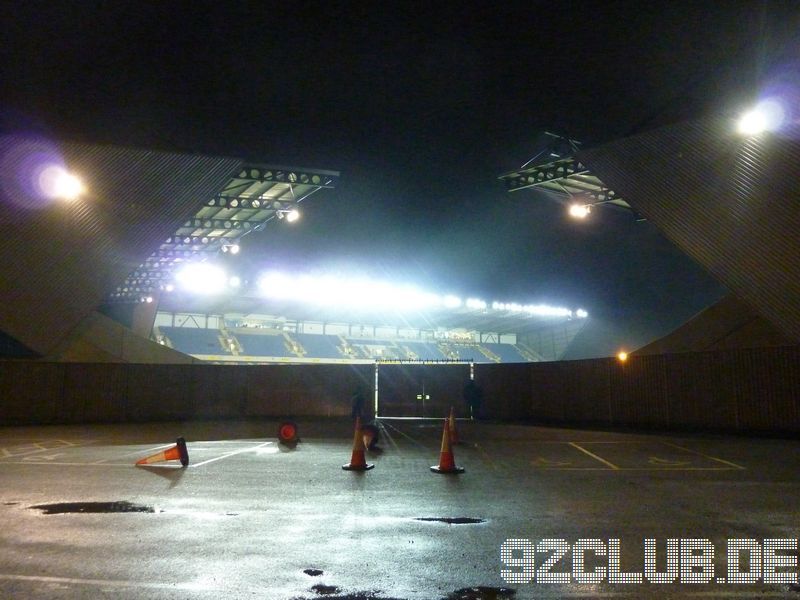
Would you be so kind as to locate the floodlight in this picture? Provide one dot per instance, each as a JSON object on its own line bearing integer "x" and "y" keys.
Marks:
{"x": 579, "y": 211}
{"x": 202, "y": 278}
{"x": 451, "y": 301}
{"x": 581, "y": 314}
{"x": 476, "y": 303}
{"x": 292, "y": 215}
{"x": 56, "y": 182}
{"x": 767, "y": 115}
{"x": 752, "y": 122}
{"x": 231, "y": 248}
{"x": 149, "y": 299}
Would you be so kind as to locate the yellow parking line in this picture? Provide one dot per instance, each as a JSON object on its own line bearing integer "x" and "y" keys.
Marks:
{"x": 725, "y": 462}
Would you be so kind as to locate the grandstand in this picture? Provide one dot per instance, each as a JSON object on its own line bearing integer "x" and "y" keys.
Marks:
{"x": 268, "y": 338}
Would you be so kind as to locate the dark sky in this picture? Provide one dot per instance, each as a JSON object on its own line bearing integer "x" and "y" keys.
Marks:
{"x": 420, "y": 106}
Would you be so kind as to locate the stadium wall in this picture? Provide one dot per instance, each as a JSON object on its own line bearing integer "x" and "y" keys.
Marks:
{"x": 750, "y": 390}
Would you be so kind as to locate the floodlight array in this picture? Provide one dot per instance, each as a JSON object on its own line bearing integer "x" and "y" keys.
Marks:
{"x": 366, "y": 294}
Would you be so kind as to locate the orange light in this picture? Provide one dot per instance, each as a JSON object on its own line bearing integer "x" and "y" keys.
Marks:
{"x": 622, "y": 356}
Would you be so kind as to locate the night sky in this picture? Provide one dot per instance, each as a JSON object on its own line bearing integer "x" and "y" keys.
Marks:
{"x": 421, "y": 106}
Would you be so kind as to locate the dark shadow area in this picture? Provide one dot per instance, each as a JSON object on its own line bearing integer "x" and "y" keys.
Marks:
{"x": 171, "y": 474}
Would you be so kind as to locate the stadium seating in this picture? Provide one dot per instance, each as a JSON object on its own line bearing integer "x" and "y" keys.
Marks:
{"x": 258, "y": 343}
{"x": 191, "y": 340}
{"x": 320, "y": 346}
{"x": 269, "y": 343}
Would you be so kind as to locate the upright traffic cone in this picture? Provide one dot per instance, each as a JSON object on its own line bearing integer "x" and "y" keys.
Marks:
{"x": 357, "y": 461}
{"x": 447, "y": 462}
{"x": 451, "y": 424}
{"x": 177, "y": 452}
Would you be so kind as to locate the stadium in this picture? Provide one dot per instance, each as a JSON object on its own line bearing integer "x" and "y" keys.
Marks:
{"x": 289, "y": 311}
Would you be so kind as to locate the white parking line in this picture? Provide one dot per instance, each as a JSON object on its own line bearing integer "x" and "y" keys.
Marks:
{"x": 205, "y": 462}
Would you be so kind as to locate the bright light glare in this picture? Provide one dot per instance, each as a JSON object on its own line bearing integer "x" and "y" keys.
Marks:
{"x": 539, "y": 310}
{"x": 579, "y": 211}
{"x": 768, "y": 115}
{"x": 622, "y": 356}
{"x": 234, "y": 282}
{"x": 57, "y": 182}
{"x": 451, "y": 301}
{"x": 753, "y": 122}
{"x": 349, "y": 293}
{"x": 202, "y": 278}
{"x": 368, "y": 294}
{"x": 292, "y": 215}
{"x": 233, "y": 248}
{"x": 475, "y": 303}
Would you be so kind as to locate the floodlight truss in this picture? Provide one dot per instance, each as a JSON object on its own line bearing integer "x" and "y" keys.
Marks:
{"x": 567, "y": 179}
{"x": 253, "y": 196}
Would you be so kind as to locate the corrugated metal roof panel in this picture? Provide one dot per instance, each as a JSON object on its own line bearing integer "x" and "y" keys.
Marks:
{"x": 731, "y": 203}
{"x": 59, "y": 260}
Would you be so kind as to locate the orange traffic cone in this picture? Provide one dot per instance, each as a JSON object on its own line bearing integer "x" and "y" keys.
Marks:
{"x": 447, "y": 462}
{"x": 451, "y": 424}
{"x": 287, "y": 433}
{"x": 357, "y": 461}
{"x": 177, "y": 452}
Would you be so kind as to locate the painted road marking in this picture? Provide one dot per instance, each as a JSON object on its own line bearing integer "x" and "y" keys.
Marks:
{"x": 664, "y": 462}
{"x": 725, "y": 462}
{"x": 37, "y": 448}
{"x": 200, "y": 464}
{"x": 602, "y": 460}
{"x": 76, "y": 453}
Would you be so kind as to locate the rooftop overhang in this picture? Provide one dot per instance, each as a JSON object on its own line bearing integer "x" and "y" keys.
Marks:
{"x": 253, "y": 195}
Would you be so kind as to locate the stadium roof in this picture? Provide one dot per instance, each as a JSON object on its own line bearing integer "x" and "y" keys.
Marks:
{"x": 484, "y": 320}
{"x": 727, "y": 198}
{"x": 60, "y": 260}
{"x": 253, "y": 195}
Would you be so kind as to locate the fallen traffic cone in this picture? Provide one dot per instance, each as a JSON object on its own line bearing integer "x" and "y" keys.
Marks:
{"x": 287, "y": 433}
{"x": 447, "y": 462}
{"x": 451, "y": 424}
{"x": 357, "y": 461}
{"x": 177, "y": 452}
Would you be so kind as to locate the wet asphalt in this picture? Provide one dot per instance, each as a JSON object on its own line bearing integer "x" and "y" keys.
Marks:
{"x": 251, "y": 518}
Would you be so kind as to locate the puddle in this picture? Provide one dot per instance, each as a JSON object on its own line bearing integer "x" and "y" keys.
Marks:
{"x": 363, "y": 595}
{"x": 452, "y": 521}
{"x": 325, "y": 590}
{"x": 313, "y": 572}
{"x": 93, "y": 507}
{"x": 481, "y": 593}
